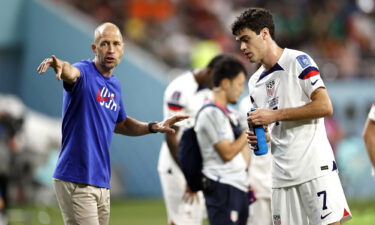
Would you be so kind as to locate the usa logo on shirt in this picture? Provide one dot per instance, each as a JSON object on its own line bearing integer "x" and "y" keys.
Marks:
{"x": 106, "y": 99}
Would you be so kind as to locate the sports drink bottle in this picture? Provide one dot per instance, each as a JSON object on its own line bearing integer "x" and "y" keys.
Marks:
{"x": 261, "y": 146}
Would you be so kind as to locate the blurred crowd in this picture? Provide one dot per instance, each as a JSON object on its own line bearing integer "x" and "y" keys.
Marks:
{"x": 340, "y": 34}
{"x": 29, "y": 146}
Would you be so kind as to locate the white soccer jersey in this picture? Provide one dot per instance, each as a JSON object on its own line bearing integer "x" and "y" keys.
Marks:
{"x": 212, "y": 127}
{"x": 182, "y": 96}
{"x": 300, "y": 149}
{"x": 371, "y": 114}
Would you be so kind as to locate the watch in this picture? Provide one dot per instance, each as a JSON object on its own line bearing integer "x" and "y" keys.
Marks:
{"x": 150, "y": 129}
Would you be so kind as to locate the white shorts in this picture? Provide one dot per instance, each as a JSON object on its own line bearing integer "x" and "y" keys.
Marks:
{"x": 260, "y": 212}
{"x": 178, "y": 212}
{"x": 320, "y": 201}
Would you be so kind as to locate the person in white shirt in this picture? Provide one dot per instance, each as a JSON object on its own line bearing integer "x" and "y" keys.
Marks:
{"x": 185, "y": 94}
{"x": 260, "y": 179}
{"x": 291, "y": 98}
{"x": 224, "y": 167}
{"x": 369, "y": 136}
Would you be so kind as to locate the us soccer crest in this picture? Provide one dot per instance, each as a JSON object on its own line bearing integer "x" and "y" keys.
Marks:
{"x": 271, "y": 86}
{"x": 276, "y": 220}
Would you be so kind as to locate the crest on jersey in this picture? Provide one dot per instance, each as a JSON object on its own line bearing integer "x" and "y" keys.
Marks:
{"x": 303, "y": 60}
{"x": 276, "y": 220}
{"x": 270, "y": 86}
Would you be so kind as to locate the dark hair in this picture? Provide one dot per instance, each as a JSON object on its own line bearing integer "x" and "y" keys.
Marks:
{"x": 215, "y": 60}
{"x": 254, "y": 19}
{"x": 228, "y": 67}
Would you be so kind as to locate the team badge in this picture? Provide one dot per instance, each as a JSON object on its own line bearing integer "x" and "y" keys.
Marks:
{"x": 276, "y": 220}
{"x": 303, "y": 60}
{"x": 270, "y": 86}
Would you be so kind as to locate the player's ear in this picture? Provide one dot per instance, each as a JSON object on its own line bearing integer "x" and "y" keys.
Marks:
{"x": 93, "y": 48}
{"x": 225, "y": 84}
{"x": 264, "y": 32}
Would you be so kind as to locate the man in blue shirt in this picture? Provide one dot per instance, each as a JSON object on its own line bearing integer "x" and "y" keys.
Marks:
{"x": 92, "y": 110}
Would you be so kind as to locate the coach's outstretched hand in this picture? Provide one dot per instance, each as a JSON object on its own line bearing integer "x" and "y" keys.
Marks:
{"x": 53, "y": 62}
{"x": 166, "y": 126}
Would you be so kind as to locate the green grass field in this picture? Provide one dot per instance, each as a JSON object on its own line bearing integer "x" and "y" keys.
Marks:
{"x": 150, "y": 212}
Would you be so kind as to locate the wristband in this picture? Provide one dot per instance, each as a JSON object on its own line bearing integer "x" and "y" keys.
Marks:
{"x": 150, "y": 129}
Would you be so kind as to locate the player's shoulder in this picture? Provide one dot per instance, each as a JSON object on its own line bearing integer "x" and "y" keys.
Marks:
{"x": 83, "y": 63}
{"x": 212, "y": 112}
{"x": 299, "y": 58}
{"x": 183, "y": 82}
{"x": 255, "y": 76}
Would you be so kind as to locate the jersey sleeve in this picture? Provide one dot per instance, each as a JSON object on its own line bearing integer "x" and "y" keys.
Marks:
{"x": 175, "y": 101}
{"x": 78, "y": 84}
{"x": 122, "y": 113}
{"x": 371, "y": 114}
{"x": 308, "y": 74}
{"x": 210, "y": 124}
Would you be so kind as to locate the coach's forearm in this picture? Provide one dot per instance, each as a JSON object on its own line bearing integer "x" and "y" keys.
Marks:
{"x": 69, "y": 73}
{"x": 132, "y": 127}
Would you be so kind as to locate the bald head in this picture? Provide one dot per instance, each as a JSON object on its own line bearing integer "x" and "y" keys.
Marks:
{"x": 106, "y": 29}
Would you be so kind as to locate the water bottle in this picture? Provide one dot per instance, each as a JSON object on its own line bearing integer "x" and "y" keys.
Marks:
{"x": 261, "y": 146}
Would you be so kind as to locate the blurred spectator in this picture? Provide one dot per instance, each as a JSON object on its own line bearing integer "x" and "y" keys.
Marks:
{"x": 341, "y": 33}
{"x": 26, "y": 140}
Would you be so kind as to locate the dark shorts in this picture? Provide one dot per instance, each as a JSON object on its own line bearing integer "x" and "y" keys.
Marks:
{"x": 226, "y": 205}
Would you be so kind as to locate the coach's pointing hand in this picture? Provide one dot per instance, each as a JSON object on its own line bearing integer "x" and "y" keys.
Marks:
{"x": 53, "y": 62}
{"x": 166, "y": 126}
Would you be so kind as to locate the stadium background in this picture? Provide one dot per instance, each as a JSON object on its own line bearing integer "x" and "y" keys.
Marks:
{"x": 164, "y": 37}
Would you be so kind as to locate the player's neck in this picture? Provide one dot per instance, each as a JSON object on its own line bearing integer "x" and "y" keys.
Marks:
{"x": 273, "y": 55}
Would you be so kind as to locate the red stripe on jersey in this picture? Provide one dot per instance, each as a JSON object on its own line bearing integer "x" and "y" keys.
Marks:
{"x": 311, "y": 74}
{"x": 174, "y": 107}
{"x": 346, "y": 213}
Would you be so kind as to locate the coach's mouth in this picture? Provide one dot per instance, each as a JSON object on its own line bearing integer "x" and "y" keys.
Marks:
{"x": 110, "y": 59}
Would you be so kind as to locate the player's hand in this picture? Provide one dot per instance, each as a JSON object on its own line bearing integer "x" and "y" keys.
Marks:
{"x": 189, "y": 196}
{"x": 251, "y": 139}
{"x": 166, "y": 126}
{"x": 262, "y": 116}
{"x": 53, "y": 62}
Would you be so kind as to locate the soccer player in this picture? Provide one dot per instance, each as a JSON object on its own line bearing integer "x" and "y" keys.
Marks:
{"x": 291, "y": 97}
{"x": 260, "y": 180}
{"x": 224, "y": 167}
{"x": 184, "y": 95}
{"x": 92, "y": 111}
{"x": 369, "y": 136}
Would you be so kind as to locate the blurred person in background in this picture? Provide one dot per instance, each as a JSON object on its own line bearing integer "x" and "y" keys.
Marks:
{"x": 184, "y": 95}
{"x": 291, "y": 98}
{"x": 11, "y": 120}
{"x": 92, "y": 111}
{"x": 224, "y": 166}
{"x": 260, "y": 180}
{"x": 369, "y": 136}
